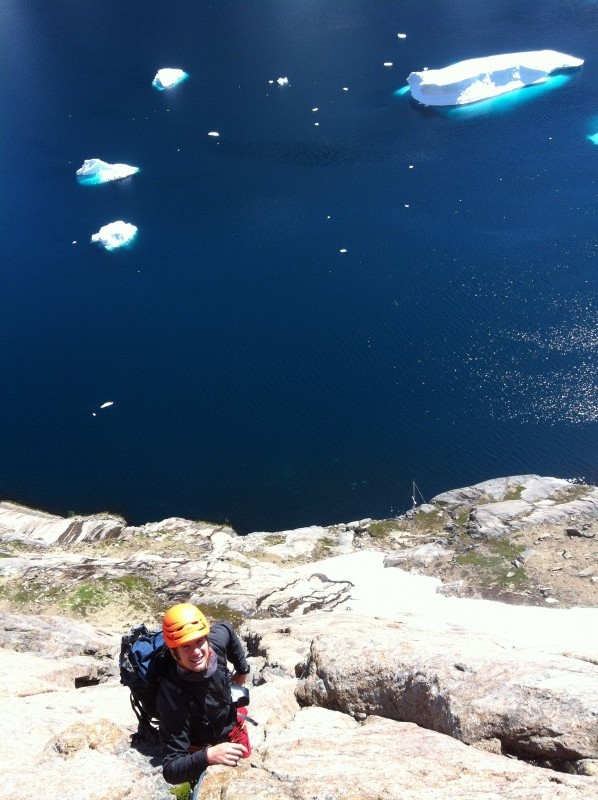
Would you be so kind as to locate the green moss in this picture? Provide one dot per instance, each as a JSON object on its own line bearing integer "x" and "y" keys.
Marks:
{"x": 429, "y": 521}
{"x": 462, "y": 517}
{"x": 221, "y": 612}
{"x": 574, "y": 492}
{"x": 274, "y": 539}
{"x": 384, "y": 528}
{"x": 494, "y": 568}
{"x": 323, "y": 548}
{"x": 16, "y": 546}
{"x": 181, "y": 792}
{"x": 84, "y": 598}
{"x": 514, "y": 493}
{"x": 505, "y": 548}
{"x": 235, "y": 562}
{"x": 272, "y": 558}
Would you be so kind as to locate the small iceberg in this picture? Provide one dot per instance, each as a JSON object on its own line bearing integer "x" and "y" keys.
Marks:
{"x": 94, "y": 171}
{"x": 115, "y": 234}
{"x": 483, "y": 78}
{"x": 107, "y": 404}
{"x": 167, "y": 78}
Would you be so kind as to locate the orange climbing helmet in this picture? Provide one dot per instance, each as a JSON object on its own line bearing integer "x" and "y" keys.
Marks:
{"x": 182, "y": 624}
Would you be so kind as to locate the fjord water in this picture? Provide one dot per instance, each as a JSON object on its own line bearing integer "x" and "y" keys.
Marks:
{"x": 258, "y": 374}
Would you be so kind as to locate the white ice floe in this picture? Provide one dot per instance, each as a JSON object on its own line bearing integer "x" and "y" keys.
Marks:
{"x": 108, "y": 404}
{"x": 401, "y": 35}
{"x": 94, "y": 171}
{"x": 482, "y": 78}
{"x": 213, "y": 133}
{"x": 282, "y": 81}
{"x": 168, "y": 77}
{"x": 115, "y": 234}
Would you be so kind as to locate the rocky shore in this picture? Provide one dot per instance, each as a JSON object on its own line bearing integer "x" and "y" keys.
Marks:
{"x": 447, "y": 653}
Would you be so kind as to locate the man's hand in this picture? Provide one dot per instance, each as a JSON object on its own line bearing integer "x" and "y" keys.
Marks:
{"x": 226, "y": 753}
{"x": 238, "y": 678}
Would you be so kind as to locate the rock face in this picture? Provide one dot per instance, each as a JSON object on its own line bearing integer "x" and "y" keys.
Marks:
{"x": 369, "y": 678}
{"x": 25, "y": 524}
{"x": 471, "y": 687}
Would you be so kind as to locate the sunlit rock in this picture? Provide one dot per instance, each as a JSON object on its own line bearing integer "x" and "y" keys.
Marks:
{"x": 94, "y": 171}
{"x": 482, "y": 78}
{"x": 167, "y": 78}
{"x": 115, "y": 234}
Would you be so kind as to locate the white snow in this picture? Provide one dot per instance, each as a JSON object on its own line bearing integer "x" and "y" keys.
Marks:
{"x": 168, "y": 77}
{"x": 94, "y": 170}
{"x": 115, "y": 234}
{"x": 392, "y": 593}
{"x": 482, "y": 78}
{"x": 282, "y": 81}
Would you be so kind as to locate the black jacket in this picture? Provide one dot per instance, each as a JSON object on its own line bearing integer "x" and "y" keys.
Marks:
{"x": 198, "y": 713}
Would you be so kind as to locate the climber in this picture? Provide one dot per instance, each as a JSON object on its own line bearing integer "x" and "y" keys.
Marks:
{"x": 199, "y": 723}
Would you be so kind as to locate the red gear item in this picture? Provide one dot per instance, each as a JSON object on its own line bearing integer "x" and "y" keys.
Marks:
{"x": 239, "y": 734}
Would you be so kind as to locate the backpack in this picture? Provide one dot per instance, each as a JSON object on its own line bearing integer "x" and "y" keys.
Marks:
{"x": 143, "y": 662}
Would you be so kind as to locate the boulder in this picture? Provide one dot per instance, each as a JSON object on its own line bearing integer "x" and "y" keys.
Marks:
{"x": 474, "y": 688}
{"x": 38, "y": 527}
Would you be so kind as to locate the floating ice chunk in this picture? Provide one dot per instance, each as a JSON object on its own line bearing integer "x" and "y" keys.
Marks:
{"x": 388, "y": 63}
{"x": 213, "y": 133}
{"x": 168, "y": 77}
{"x": 401, "y": 35}
{"x": 108, "y": 404}
{"x": 343, "y": 250}
{"x": 481, "y": 78}
{"x": 115, "y": 234}
{"x": 593, "y": 138}
{"x": 94, "y": 170}
{"x": 282, "y": 81}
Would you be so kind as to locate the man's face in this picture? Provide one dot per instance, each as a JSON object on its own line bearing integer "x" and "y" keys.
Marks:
{"x": 195, "y": 655}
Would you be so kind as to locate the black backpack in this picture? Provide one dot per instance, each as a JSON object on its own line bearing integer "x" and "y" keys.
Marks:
{"x": 144, "y": 660}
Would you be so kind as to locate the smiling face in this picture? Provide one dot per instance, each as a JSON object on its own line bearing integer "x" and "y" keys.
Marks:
{"x": 194, "y": 656}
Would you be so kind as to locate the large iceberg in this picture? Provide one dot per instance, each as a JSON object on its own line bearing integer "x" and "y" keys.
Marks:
{"x": 115, "y": 234}
{"x": 94, "y": 170}
{"x": 481, "y": 78}
{"x": 168, "y": 77}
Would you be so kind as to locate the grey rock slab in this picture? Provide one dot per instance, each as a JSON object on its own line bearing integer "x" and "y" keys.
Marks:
{"x": 26, "y": 524}
{"x": 467, "y": 686}
{"x": 325, "y": 755}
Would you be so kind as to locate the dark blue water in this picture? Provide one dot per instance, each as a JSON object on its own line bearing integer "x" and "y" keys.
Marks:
{"x": 259, "y": 375}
